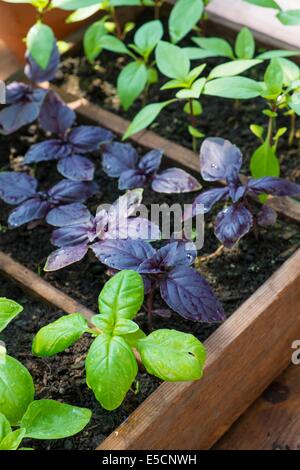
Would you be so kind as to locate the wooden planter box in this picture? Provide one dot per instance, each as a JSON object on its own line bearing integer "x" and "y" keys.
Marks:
{"x": 245, "y": 354}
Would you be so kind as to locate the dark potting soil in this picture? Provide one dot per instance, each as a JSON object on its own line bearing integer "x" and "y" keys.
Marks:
{"x": 234, "y": 275}
{"x": 224, "y": 118}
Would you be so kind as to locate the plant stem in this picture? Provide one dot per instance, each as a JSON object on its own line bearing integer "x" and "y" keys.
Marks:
{"x": 157, "y": 7}
{"x": 270, "y": 131}
{"x": 117, "y": 23}
{"x": 292, "y": 129}
{"x": 193, "y": 124}
{"x": 210, "y": 257}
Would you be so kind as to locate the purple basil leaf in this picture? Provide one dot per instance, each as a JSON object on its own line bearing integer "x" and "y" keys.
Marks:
{"x": 236, "y": 191}
{"x": 132, "y": 179}
{"x": 185, "y": 246}
{"x": 76, "y": 168}
{"x": 135, "y": 228}
{"x": 175, "y": 180}
{"x": 71, "y": 235}
{"x": 32, "y": 209}
{"x": 267, "y": 216}
{"x": 233, "y": 223}
{"x": 86, "y": 139}
{"x": 187, "y": 293}
{"x": 67, "y": 191}
{"x": 53, "y": 149}
{"x": 219, "y": 159}
{"x": 70, "y": 214}
{"x": 118, "y": 158}
{"x": 162, "y": 312}
{"x": 16, "y": 187}
{"x": 16, "y": 92}
{"x": 65, "y": 256}
{"x": 124, "y": 207}
{"x": 150, "y": 162}
{"x": 55, "y": 115}
{"x": 171, "y": 255}
{"x": 13, "y": 117}
{"x": 207, "y": 199}
{"x": 36, "y": 74}
{"x": 122, "y": 254}
{"x": 274, "y": 186}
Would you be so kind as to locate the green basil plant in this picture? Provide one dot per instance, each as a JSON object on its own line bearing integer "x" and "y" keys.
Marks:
{"x": 20, "y": 415}
{"x": 111, "y": 365}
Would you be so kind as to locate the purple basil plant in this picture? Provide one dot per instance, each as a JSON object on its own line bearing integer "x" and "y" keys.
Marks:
{"x": 21, "y": 190}
{"x": 122, "y": 161}
{"x": 71, "y": 144}
{"x": 183, "y": 288}
{"x": 25, "y": 102}
{"x": 220, "y": 160}
{"x": 79, "y": 230}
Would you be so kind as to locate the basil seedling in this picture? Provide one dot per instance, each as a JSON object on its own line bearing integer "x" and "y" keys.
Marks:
{"x": 111, "y": 366}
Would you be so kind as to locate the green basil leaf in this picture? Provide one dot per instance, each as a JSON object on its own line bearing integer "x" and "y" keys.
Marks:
{"x": 148, "y": 36}
{"x": 131, "y": 83}
{"x": 113, "y": 44}
{"x": 276, "y": 53}
{"x": 59, "y": 335}
{"x": 12, "y": 440}
{"x": 9, "y": 309}
{"x": 290, "y": 70}
{"x": 110, "y": 370}
{"x": 125, "y": 327}
{"x": 172, "y": 61}
{"x": 245, "y": 44}
{"x": 264, "y": 162}
{"x": 40, "y": 42}
{"x": 289, "y": 17}
{"x": 215, "y": 46}
{"x": 50, "y": 419}
{"x": 273, "y": 77}
{"x": 105, "y": 323}
{"x": 16, "y": 390}
{"x": 92, "y": 38}
{"x": 294, "y": 103}
{"x": 145, "y": 117}
{"x": 234, "y": 87}
{"x": 73, "y": 4}
{"x": 133, "y": 338}
{"x": 265, "y": 3}
{"x": 193, "y": 92}
{"x": 172, "y": 356}
{"x": 235, "y": 67}
{"x": 122, "y": 296}
{"x": 82, "y": 14}
{"x": 184, "y": 16}
{"x": 5, "y": 427}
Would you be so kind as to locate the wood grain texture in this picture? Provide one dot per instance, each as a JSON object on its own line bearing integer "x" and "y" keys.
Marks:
{"x": 8, "y": 63}
{"x": 40, "y": 288}
{"x": 244, "y": 355}
{"x": 273, "y": 421}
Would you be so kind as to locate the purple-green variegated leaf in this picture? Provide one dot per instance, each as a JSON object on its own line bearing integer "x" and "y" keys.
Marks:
{"x": 76, "y": 168}
{"x": 150, "y": 162}
{"x": 266, "y": 216}
{"x": 219, "y": 159}
{"x": 53, "y": 149}
{"x": 274, "y": 186}
{"x": 132, "y": 179}
{"x": 175, "y": 180}
{"x": 37, "y": 75}
{"x": 65, "y": 256}
{"x": 70, "y": 214}
{"x": 233, "y": 223}
{"x": 67, "y": 191}
{"x": 86, "y": 139}
{"x": 28, "y": 211}
{"x": 122, "y": 254}
{"x": 187, "y": 293}
{"x": 16, "y": 187}
{"x": 72, "y": 235}
{"x": 56, "y": 116}
{"x": 118, "y": 158}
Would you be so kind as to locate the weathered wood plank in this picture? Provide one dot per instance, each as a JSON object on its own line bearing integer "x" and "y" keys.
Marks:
{"x": 273, "y": 421}
{"x": 244, "y": 355}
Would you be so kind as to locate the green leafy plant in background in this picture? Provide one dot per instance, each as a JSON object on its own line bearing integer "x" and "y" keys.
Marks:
{"x": 281, "y": 91}
{"x": 173, "y": 62}
{"x": 20, "y": 415}
{"x": 139, "y": 74}
{"x": 286, "y": 17}
{"x": 111, "y": 366}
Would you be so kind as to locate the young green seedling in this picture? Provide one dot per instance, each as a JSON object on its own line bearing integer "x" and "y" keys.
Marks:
{"x": 286, "y": 17}
{"x": 20, "y": 415}
{"x": 280, "y": 91}
{"x": 111, "y": 366}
